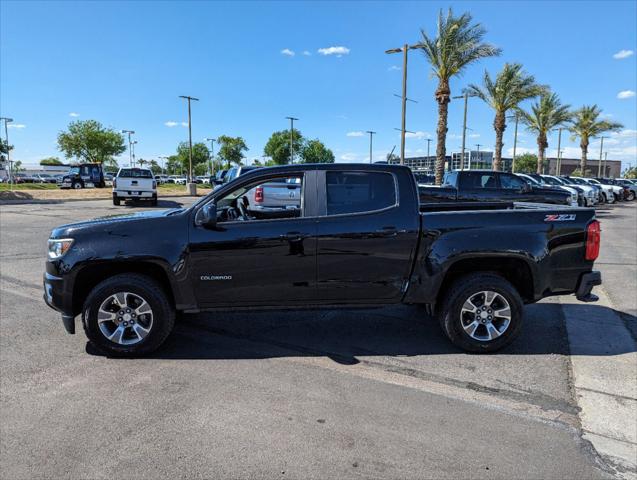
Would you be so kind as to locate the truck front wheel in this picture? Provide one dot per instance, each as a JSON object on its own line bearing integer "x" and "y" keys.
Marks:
{"x": 481, "y": 313}
{"x": 127, "y": 315}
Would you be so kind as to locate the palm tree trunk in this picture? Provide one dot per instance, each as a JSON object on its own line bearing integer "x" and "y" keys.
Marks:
{"x": 582, "y": 164}
{"x": 499, "y": 124}
{"x": 540, "y": 155}
{"x": 443, "y": 98}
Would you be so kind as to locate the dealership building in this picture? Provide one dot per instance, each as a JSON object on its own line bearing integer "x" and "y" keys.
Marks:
{"x": 482, "y": 159}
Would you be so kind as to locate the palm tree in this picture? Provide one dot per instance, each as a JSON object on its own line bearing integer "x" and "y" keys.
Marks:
{"x": 544, "y": 116}
{"x": 586, "y": 125}
{"x": 511, "y": 86}
{"x": 457, "y": 44}
{"x": 142, "y": 162}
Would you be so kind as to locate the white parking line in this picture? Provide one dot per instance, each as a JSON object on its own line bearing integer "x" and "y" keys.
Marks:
{"x": 604, "y": 363}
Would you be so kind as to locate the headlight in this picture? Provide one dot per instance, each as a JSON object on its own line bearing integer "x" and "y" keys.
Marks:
{"x": 58, "y": 247}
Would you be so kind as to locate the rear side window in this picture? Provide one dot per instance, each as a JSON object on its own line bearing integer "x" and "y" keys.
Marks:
{"x": 474, "y": 180}
{"x": 356, "y": 192}
{"x": 510, "y": 182}
{"x": 134, "y": 173}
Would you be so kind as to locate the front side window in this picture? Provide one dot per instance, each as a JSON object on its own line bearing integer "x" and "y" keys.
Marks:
{"x": 358, "y": 192}
{"x": 477, "y": 180}
{"x": 278, "y": 197}
{"x": 511, "y": 183}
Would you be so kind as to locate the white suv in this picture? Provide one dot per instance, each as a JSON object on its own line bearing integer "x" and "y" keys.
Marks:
{"x": 134, "y": 184}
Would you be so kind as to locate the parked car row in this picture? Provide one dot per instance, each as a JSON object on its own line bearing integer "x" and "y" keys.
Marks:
{"x": 490, "y": 186}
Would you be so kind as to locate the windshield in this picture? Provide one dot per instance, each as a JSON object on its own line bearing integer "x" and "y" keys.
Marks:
{"x": 531, "y": 180}
{"x": 74, "y": 170}
{"x": 552, "y": 181}
{"x": 577, "y": 181}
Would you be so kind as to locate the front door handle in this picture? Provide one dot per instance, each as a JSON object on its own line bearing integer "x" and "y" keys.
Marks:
{"x": 292, "y": 236}
{"x": 389, "y": 231}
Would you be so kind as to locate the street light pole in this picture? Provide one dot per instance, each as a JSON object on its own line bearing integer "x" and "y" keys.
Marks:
{"x": 370, "y": 145}
{"x": 464, "y": 126}
{"x": 6, "y": 135}
{"x": 404, "y": 50}
{"x": 515, "y": 140}
{"x": 479, "y": 154}
{"x": 599, "y": 166}
{"x": 130, "y": 151}
{"x": 133, "y": 143}
{"x": 189, "y": 98}
{"x": 291, "y": 119}
{"x": 212, "y": 153}
{"x": 605, "y": 163}
{"x": 559, "y": 147}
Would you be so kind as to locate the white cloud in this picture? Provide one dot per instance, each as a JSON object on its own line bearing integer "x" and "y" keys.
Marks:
{"x": 625, "y": 94}
{"x": 307, "y": 53}
{"x": 355, "y": 134}
{"x": 417, "y": 134}
{"x": 171, "y": 124}
{"x": 474, "y": 135}
{"x": 626, "y": 133}
{"x": 393, "y": 68}
{"x": 73, "y": 114}
{"x": 338, "y": 51}
{"x": 16, "y": 125}
{"x": 287, "y": 52}
{"x": 623, "y": 54}
{"x": 349, "y": 157}
{"x": 184, "y": 124}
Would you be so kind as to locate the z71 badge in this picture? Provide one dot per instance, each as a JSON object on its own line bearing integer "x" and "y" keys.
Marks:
{"x": 565, "y": 217}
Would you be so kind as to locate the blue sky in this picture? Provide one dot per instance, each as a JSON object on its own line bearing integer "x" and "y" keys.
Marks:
{"x": 126, "y": 63}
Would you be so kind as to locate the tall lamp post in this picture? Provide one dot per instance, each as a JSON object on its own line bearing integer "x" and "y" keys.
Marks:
{"x": 192, "y": 187}
{"x": 291, "y": 119}
{"x": 371, "y": 134}
{"x": 515, "y": 140}
{"x": 6, "y": 135}
{"x": 479, "y": 154}
{"x": 559, "y": 148}
{"x": 130, "y": 148}
{"x": 464, "y": 126}
{"x": 599, "y": 166}
{"x": 404, "y": 49}
{"x": 212, "y": 152}
{"x": 133, "y": 143}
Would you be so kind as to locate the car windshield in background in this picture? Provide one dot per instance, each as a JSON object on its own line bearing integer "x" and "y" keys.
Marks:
{"x": 134, "y": 173}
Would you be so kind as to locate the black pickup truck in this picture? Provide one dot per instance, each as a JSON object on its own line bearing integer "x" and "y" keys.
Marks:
{"x": 360, "y": 238}
{"x": 489, "y": 186}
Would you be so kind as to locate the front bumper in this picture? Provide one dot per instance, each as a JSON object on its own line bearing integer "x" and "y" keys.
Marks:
{"x": 586, "y": 283}
{"x": 55, "y": 296}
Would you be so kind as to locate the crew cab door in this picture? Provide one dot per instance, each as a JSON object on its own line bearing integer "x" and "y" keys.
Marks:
{"x": 256, "y": 256}
{"x": 516, "y": 189}
{"x": 479, "y": 186}
{"x": 366, "y": 236}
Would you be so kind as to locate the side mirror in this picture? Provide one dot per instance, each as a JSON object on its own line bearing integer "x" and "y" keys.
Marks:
{"x": 208, "y": 217}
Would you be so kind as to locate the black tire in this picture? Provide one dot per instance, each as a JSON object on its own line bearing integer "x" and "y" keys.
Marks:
{"x": 77, "y": 185}
{"x": 631, "y": 196}
{"x": 153, "y": 201}
{"x": 162, "y": 310}
{"x": 602, "y": 199}
{"x": 464, "y": 288}
{"x": 116, "y": 200}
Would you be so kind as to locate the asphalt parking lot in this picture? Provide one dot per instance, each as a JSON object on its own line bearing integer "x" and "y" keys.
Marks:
{"x": 327, "y": 394}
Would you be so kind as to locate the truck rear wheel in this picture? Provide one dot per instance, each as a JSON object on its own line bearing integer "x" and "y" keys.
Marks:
{"x": 127, "y": 315}
{"x": 481, "y": 313}
{"x": 115, "y": 199}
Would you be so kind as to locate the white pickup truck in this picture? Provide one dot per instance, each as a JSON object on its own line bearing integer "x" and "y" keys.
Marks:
{"x": 134, "y": 184}
{"x": 278, "y": 194}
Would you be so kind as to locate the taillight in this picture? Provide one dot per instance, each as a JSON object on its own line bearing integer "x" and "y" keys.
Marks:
{"x": 114, "y": 183}
{"x": 593, "y": 239}
{"x": 258, "y": 194}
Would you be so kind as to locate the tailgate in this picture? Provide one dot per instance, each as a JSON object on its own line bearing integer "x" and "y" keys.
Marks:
{"x": 283, "y": 195}
{"x": 135, "y": 184}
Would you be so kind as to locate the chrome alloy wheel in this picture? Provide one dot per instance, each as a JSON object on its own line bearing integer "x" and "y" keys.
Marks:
{"x": 125, "y": 318}
{"x": 485, "y": 315}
